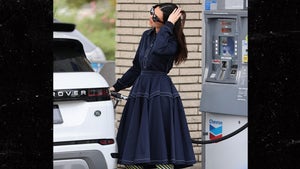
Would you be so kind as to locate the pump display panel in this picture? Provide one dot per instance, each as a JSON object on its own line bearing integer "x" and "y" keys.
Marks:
{"x": 226, "y": 46}
{"x": 225, "y": 63}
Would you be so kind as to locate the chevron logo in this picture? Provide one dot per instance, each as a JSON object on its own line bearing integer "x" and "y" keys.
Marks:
{"x": 215, "y": 129}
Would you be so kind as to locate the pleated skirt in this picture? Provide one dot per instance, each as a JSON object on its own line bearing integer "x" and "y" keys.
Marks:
{"x": 153, "y": 128}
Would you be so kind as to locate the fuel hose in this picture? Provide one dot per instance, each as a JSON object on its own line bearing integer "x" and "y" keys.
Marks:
{"x": 222, "y": 138}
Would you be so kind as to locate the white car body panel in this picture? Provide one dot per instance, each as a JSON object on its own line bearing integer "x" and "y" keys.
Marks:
{"x": 80, "y": 123}
{"x": 77, "y": 80}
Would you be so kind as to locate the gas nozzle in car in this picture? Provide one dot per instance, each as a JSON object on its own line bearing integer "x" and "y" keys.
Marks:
{"x": 118, "y": 96}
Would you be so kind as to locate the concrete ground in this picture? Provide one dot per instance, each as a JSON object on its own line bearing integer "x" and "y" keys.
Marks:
{"x": 195, "y": 166}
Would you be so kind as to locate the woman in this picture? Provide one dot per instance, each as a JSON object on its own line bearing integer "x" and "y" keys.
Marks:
{"x": 153, "y": 131}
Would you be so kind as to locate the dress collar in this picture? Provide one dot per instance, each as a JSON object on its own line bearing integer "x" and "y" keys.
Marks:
{"x": 152, "y": 31}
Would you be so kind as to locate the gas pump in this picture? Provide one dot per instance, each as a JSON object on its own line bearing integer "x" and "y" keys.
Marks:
{"x": 224, "y": 100}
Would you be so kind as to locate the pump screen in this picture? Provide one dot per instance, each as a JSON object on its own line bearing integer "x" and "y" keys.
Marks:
{"x": 226, "y": 47}
{"x": 226, "y": 23}
{"x": 226, "y": 30}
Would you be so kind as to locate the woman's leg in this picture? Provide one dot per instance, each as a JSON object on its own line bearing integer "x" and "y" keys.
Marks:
{"x": 133, "y": 167}
{"x": 165, "y": 166}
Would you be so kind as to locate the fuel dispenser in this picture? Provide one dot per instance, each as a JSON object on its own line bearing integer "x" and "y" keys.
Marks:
{"x": 224, "y": 100}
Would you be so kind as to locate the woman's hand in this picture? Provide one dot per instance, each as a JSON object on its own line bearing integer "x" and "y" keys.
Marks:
{"x": 112, "y": 89}
{"x": 175, "y": 15}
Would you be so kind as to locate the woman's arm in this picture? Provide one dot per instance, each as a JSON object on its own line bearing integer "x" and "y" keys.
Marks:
{"x": 166, "y": 42}
{"x": 131, "y": 74}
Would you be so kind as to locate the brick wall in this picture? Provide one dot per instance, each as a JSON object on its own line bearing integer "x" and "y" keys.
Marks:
{"x": 132, "y": 21}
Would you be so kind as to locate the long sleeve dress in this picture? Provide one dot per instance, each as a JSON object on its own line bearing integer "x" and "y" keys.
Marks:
{"x": 153, "y": 128}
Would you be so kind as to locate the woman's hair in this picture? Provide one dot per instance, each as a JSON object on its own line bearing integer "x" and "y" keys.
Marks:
{"x": 167, "y": 9}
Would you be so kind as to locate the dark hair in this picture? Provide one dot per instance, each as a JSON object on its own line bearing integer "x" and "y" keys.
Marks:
{"x": 167, "y": 9}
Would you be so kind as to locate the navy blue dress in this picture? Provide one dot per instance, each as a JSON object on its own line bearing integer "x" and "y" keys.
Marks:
{"x": 153, "y": 128}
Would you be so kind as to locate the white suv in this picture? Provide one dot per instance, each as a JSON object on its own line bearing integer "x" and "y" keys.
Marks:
{"x": 83, "y": 113}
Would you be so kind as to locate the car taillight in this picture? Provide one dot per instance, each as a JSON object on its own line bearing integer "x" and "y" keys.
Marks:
{"x": 98, "y": 92}
{"x": 91, "y": 94}
{"x": 106, "y": 141}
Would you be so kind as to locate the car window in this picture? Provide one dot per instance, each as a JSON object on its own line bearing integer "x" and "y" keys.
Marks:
{"x": 68, "y": 56}
{"x": 78, "y": 64}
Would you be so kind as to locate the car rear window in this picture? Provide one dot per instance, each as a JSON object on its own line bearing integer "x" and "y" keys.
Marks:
{"x": 69, "y": 56}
